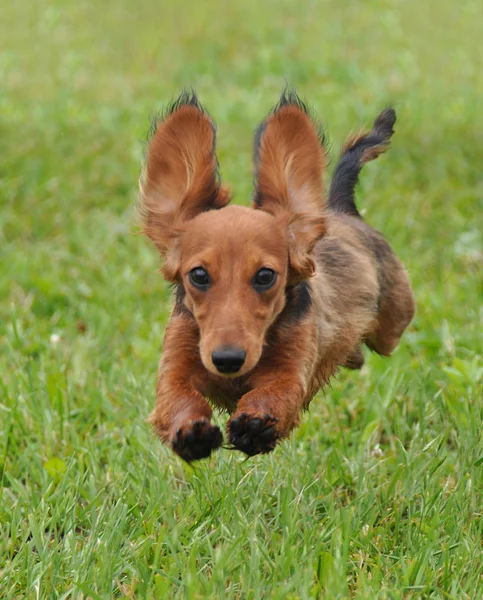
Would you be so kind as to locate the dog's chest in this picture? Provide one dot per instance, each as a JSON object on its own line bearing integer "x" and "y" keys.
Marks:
{"x": 224, "y": 393}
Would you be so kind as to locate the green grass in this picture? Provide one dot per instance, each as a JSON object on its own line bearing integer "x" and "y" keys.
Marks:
{"x": 379, "y": 493}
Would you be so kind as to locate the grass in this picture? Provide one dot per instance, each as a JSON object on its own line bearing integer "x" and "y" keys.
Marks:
{"x": 379, "y": 493}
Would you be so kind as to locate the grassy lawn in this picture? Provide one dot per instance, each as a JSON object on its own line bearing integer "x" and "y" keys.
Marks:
{"x": 379, "y": 493}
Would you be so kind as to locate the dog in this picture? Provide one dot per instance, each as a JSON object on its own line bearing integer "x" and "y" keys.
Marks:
{"x": 270, "y": 300}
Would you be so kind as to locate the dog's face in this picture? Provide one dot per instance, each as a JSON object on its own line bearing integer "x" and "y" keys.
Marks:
{"x": 233, "y": 266}
{"x": 234, "y": 263}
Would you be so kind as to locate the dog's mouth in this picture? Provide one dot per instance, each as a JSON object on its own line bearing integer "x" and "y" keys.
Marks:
{"x": 228, "y": 372}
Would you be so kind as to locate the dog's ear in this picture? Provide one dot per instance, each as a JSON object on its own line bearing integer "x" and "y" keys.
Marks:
{"x": 289, "y": 162}
{"x": 181, "y": 178}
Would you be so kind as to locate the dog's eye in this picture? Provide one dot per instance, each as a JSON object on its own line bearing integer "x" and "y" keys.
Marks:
{"x": 199, "y": 278}
{"x": 264, "y": 279}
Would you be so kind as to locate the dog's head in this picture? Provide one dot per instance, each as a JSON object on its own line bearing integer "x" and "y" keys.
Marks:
{"x": 234, "y": 263}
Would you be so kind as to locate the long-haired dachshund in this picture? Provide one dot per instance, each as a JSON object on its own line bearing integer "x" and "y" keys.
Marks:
{"x": 272, "y": 300}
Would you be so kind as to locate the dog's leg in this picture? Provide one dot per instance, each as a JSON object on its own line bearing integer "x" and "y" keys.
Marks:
{"x": 272, "y": 408}
{"x": 355, "y": 360}
{"x": 265, "y": 415}
{"x": 182, "y": 416}
{"x": 396, "y": 312}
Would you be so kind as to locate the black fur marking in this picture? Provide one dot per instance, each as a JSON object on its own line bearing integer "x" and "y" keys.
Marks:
{"x": 335, "y": 258}
{"x": 180, "y": 293}
{"x": 298, "y": 303}
{"x": 338, "y": 261}
{"x": 346, "y": 174}
{"x": 258, "y": 138}
{"x": 289, "y": 97}
{"x": 382, "y": 250}
{"x": 179, "y": 305}
{"x": 187, "y": 97}
{"x": 385, "y": 263}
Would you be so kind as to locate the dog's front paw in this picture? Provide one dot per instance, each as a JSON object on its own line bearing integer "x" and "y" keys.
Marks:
{"x": 196, "y": 440}
{"x": 253, "y": 434}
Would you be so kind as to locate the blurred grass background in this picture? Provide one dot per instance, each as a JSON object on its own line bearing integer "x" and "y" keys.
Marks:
{"x": 379, "y": 493}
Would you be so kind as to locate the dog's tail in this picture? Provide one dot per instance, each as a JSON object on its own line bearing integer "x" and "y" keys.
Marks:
{"x": 358, "y": 150}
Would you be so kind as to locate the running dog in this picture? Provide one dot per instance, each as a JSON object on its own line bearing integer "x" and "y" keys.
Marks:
{"x": 271, "y": 300}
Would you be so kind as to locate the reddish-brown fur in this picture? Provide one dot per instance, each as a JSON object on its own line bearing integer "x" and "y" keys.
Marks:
{"x": 338, "y": 284}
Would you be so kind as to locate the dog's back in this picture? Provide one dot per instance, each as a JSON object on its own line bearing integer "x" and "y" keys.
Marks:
{"x": 359, "y": 274}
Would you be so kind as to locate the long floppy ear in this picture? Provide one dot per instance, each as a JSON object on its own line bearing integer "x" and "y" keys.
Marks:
{"x": 289, "y": 162}
{"x": 181, "y": 178}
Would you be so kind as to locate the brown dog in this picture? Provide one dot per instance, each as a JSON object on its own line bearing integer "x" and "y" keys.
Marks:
{"x": 270, "y": 300}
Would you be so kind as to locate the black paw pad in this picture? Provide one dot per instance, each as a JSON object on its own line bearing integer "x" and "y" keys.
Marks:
{"x": 253, "y": 435}
{"x": 197, "y": 440}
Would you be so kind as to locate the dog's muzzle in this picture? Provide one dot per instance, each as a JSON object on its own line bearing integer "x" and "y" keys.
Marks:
{"x": 228, "y": 359}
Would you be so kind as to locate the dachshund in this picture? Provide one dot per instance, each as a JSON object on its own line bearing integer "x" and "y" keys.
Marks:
{"x": 271, "y": 300}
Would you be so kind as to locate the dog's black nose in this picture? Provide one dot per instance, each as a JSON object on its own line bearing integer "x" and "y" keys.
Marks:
{"x": 228, "y": 359}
